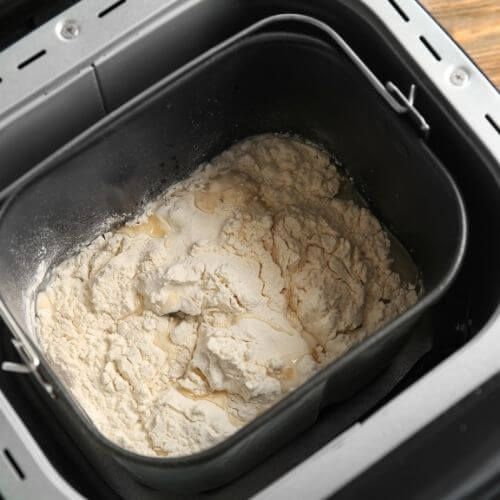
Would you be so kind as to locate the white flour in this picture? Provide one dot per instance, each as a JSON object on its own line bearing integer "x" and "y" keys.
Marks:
{"x": 228, "y": 292}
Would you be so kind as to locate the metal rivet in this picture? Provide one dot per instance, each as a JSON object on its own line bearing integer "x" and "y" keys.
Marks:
{"x": 68, "y": 30}
{"x": 459, "y": 77}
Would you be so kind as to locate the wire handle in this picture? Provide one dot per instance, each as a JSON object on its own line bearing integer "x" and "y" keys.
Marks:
{"x": 389, "y": 92}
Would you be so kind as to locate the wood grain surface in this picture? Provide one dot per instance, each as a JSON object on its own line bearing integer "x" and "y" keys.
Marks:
{"x": 475, "y": 24}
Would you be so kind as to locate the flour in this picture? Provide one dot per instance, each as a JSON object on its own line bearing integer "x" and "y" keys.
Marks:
{"x": 228, "y": 292}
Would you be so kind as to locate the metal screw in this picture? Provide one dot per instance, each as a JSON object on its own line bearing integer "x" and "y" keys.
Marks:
{"x": 459, "y": 77}
{"x": 69, "y": 30}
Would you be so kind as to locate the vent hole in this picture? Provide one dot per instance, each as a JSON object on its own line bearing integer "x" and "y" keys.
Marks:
{"x": 31, "y": 59}
{"x": 430, "y": 48}
{"x": 14, "y": 464}
{"x": 399, "y": 10}
{"x": 112, "y": 7}
{"x": 493, "y": 123}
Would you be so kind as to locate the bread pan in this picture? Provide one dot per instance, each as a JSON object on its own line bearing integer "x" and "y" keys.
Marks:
{"x": 290, "y": 78}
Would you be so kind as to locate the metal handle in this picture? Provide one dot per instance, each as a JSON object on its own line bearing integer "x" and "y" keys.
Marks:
{"x": 389, "y": 92}
{"x": 409, "y": 105}
{"x": 31, "y": 361}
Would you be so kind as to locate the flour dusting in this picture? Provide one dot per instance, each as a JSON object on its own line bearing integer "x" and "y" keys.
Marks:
{"x": 228, "y": 292}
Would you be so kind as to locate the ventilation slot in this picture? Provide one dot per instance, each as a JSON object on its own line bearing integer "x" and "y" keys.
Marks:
{"x": 493, "y": 123}
{"x": 430, "y": 48}
{"x": 14, "y": 464}
{"x": 31, "y": 59}
{"x": 399, "y": 10}
{"x": 112, "y": 7}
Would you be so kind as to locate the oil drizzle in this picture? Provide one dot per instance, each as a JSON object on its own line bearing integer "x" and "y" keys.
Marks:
{"x": 153, "y": 227}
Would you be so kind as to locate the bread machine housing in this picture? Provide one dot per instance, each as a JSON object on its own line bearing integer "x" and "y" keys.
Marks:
{"x": 335, "y": 74}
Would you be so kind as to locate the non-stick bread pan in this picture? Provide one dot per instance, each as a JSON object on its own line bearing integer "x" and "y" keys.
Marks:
{"x": 290, "y": 77}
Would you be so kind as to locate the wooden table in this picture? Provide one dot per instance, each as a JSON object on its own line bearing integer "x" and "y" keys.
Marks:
{"x": 475, "y": 24}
